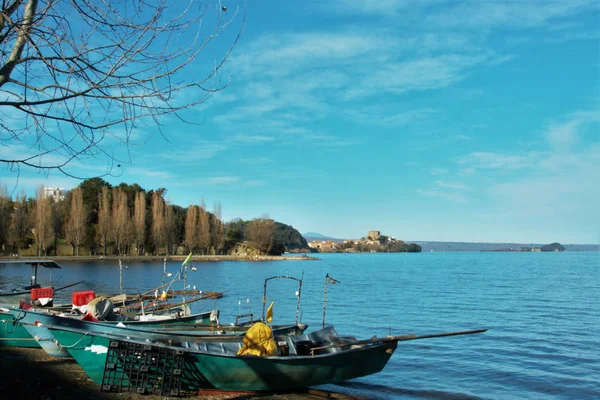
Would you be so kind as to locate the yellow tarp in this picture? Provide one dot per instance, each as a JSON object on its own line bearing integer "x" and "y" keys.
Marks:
{"x": 258, "y": 341}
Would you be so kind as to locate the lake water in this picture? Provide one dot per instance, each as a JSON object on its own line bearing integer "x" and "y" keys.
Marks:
{"x": 542, "y": 311}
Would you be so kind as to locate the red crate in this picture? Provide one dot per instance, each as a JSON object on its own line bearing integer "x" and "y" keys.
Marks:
{"x": 41, "y": 293}
{"x": 83, "y": 297}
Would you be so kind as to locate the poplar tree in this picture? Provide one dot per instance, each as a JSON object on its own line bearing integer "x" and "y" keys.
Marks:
{"x": 191, "y": 227}
{"x": 75, "y": 226}
{"x": 120, "y": 218}
{"x": 217, "y": 228}
{"x": 158, "y": 221}
{"x": 104, "y": 221}
{"x": 139, "y": 221}
{"x": 203, "y": 235}
{"x": 170, "y": 227}
{"x": 43, "y": 225}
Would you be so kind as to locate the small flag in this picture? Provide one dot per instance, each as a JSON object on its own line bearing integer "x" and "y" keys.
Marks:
{"x": 270, "y": 313}
{"x": 331, "y": 280}
{"x": 188, "y": 259}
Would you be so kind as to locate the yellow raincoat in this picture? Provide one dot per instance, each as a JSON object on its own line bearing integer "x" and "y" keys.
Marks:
{"x": 258, "y": 341}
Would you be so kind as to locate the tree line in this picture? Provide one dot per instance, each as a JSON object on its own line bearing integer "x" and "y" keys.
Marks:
{"x": 99, "y": 219}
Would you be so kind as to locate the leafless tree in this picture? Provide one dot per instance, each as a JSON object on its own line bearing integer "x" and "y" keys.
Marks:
{"x": 203, "y": 235}
{"x": 76, "y": 75}
{"x": 260, "y": 233}
{"x": 139, "y": 221}
{"x": 217, "y": 228}
{"x": 5, "y": 202}
{"x": 20, "y": 224}
{"x": 42, "y": 228}
{"x": 58, "y": 212}
{"x": 169, "y": 228}
{"x": 75, "y": 226}
{"x": 120, "y": 218}
{"x": 191, "y": 227}
{"x": 158, "y": 221}
{"x": 104, "y": 226}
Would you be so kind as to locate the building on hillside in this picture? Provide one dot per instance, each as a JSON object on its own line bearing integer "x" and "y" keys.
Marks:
{"x": 374, "y": 235}
{"x": 55, "y": 194}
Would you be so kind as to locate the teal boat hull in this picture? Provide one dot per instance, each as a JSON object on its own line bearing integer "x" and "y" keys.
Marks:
{"x": 250, "y": 373}
{"x": 204, "y": 370}
{"x": 13, "y": 334}
{"x": 31, "y": 330}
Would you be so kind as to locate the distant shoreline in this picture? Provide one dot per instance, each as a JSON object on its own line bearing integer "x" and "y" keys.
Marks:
{"x": 198, "y": 258}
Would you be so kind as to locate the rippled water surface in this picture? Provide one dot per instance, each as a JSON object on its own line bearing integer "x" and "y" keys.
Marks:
{"x": 542, "y": 311}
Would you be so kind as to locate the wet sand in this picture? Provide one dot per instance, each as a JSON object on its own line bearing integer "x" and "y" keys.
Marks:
{"x": 33, "y": 375}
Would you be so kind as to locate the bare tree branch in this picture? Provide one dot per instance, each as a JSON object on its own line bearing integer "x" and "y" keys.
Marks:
{"x": 73, "y": 71}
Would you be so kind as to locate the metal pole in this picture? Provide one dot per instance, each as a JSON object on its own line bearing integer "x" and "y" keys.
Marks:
{"x": 324, "y": 300}
{"x": 34, "y": 267}
{"x": 299, "y": 294}
{"x": 121, "y": 277}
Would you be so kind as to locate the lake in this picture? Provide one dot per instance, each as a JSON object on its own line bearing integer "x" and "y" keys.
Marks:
{"x": 542, "y": 311}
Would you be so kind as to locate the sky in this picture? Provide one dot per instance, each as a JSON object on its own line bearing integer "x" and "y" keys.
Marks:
{"x": 432, "y": 120}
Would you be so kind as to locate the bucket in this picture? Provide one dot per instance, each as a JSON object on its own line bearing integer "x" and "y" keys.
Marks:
{"x": 303, "y": 347}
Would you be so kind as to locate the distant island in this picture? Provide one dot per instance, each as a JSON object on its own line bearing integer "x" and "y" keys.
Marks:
{"x": 552, "y": 247}
{"x": 374, "y": 242}
{"x": 429, "y": 246}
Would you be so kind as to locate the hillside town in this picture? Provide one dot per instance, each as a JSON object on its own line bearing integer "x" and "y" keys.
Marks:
{"x": 374, "y": 242}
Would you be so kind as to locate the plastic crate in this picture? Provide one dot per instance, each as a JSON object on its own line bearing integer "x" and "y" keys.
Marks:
{"x": 42, "y": 293}
{"x": 83, "y": 297}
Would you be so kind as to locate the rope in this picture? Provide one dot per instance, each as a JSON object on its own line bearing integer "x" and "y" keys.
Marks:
{"x": 6, "y": 321}
{"x": 74, "y": 344}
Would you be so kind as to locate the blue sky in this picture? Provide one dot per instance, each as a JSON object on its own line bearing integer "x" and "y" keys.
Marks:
{"x": 431, "y": 120}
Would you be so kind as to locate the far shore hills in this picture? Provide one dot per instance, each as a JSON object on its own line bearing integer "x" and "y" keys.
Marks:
{"x": 428, "y": 246}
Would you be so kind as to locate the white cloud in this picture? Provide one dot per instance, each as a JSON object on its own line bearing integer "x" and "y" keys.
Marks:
{"x": 555, "y": 190}
{"x": 376, "y": 115}
{"x": 199, "y": 151}
{"x": 253, "y": 138}
{"x": 515, "y": 14}
{"x": 562, "y": 136}
{"x": 255, "y": 161}
{"x": 452, "y": 185}
{"x": 448, "y": 195}
{"x": 486, "y": 160}
{"x": 416, "y": 75}
{"x": 438, "y": 171}
{"x": 149, "y": 173}
{"x": 222, "y": 180}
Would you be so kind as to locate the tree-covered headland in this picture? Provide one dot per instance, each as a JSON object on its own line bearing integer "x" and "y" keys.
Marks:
{"x": 97, "y": 218}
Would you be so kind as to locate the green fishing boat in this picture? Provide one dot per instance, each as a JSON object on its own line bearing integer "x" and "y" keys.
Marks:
{"x": 321, "y": 357}
{"x": 35, "y": 322}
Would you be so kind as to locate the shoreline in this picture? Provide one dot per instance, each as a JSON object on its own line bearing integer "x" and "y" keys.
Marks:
{"x": 31, "y": 374}
{"x": 199, "y": 258}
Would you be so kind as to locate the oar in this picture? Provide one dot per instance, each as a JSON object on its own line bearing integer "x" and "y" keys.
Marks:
{"x": 68, "y": 286}
{"x": 400, "y": 338}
